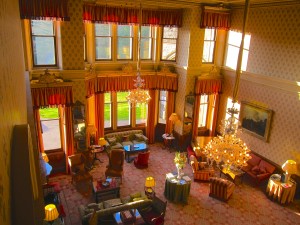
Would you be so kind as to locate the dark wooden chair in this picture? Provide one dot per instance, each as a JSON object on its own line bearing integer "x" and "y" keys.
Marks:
{"x": 116, "y": 161}
{"x": 155, "y": 213}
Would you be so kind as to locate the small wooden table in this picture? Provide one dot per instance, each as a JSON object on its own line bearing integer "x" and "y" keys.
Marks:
{"x": 168, "y": 141}
{"x": 95, "y": 149}
{"x": 233, "y": 175}
{"x": 282, "y": 192}
{"x": 103, "y": 193}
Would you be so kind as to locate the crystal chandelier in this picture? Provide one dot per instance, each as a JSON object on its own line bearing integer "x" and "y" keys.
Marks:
{"x": 138, "y": 95}
{"x": 227, "y": 148}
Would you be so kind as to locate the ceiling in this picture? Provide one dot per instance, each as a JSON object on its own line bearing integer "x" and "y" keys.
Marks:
{"x": 193, "y": 3}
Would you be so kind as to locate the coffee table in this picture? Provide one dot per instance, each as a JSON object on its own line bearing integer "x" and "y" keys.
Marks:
{"x": 138, "y": 218}
{"x": 103, "y": 193}
{"x": 133, "y": 149}
{"x": 233, "y": 175}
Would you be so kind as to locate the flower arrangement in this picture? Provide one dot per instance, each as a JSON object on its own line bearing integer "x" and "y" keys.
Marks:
{"x": 180, "y": 160}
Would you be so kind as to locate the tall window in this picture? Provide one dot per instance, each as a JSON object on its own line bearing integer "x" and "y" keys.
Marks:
{"x": 103, "y": 41}
{"x": 233, "y": 47}
{"x": 123, "y": 110}
{"x": 124, "y": 41}
{"x": 209, "y": 46}
{"x": 203, "y": 111}
{"x": 146, "y": 42}
{"x": 141, "y": 114}
{"x": 43, "y": 43}
{"x": 169, "y": 42}
{"x": 107, "y": 110}
{"x": 162, "y": 104}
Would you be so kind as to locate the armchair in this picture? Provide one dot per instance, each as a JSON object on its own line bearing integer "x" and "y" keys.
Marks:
{"x": 155, "y": 213}
{"x": 116, "y": 161}
{"x": 78, "y": 169}
{"x": 141, "y": 161}
{"x": 199, "y": 170}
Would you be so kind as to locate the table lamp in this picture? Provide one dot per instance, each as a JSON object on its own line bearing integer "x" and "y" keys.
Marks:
{"x": 102, "y": 142}
{"x": 149, "y": 187}
{"x": 51, "y": 213}
{"x": 173, "y": 118}
{"x": 290, "y": 167}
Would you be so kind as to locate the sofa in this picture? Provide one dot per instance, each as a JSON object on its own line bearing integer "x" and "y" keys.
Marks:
{"x": 258, "y": 169}
{"x": 105, "y": 210}
{"x": 117, "y": 140}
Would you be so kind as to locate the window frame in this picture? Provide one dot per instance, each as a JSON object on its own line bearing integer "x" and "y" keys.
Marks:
{"x": 158, "y": 111}
{"x": 162, "y": 42}
{"x": 214, "y": 41}
{"x": 135, "y": 117}
{"x": 54, "y": 36}
{"x": 102, "y": 36}
{"x": 111, "y": 111}
{"x": 129, "y": 110}
{"x": 131, "y": 37}
{"x": 151, "y": 38}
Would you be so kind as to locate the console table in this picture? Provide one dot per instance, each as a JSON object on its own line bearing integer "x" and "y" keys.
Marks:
{"x": 177, "y": 190}
{"x": 282, "y": 192}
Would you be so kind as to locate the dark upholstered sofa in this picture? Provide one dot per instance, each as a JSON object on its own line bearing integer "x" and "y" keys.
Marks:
{"x": 258, "y": 168}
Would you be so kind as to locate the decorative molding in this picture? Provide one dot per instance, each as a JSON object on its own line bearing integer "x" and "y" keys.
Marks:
{"x": 281, "y": 84}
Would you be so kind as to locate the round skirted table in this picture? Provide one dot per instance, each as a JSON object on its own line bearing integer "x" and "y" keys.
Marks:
{"x": 177, "y": 190}
{"x": 282, "y": 192}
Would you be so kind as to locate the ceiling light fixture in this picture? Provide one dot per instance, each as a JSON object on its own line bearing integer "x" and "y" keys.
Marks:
{"x": 139, "y": 95}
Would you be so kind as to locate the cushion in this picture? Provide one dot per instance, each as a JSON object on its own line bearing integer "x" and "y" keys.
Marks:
{"x": 140, "y": 137}
{"x": 135, "y": 195}
{"x": 140, "y": 198}
{"x": 125, "y": 199}
{"x": 117, "y": 146}
{"x": 255, "y": 160}
{"x": 111, "y": 203}
{"x": 88, "y": 211}
{"x": 112, "y": 140}
{"x": 125, "y": 138}
{"x": 262, "y": 170}
{"x": 255, "y": 169}
{"x": 131, "y": 137}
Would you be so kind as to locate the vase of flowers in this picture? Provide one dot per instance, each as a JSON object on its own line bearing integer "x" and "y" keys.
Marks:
{"x": 180, "y": 161}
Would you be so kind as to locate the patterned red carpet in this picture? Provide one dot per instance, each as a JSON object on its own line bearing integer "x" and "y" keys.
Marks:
{"x": 248, "y": 205}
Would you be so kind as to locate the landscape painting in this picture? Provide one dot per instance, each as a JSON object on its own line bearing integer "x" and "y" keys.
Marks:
{"x": 256, "y": 120}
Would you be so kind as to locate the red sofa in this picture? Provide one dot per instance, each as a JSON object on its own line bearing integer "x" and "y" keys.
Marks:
{"x": 258, "y": 168}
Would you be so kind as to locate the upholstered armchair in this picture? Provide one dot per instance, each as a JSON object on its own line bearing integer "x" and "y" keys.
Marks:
{"x": 141, "y": 161}
{"x": 155, "y": 213}
{"x": 220, "y": 188}
{"x": 78, "y": 169}
{"x": 115, "y": 165}
{"x": 200, "y": 172}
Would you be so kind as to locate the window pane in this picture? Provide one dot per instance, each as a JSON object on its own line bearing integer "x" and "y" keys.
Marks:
{"x": 124, "y": 48}
{"x": 208, "y": 51}
{"x": 162, "y": 107}
{"x": 145, "y": 50}
{"x": 102, "y": 30}
{"x": 124, "y": 30}
{"x": 169, "y": 49}
{"x": 123, "y": 109}
{"x": 234, "y": 38}
{"x": 170, "y": 32}
{"x": 141, "y": 113}
{"x": 42, "y": 27}
{"x": 146, "y": 31}
{"x": 232, "y": 56}
{"x": 43, "y": 50}
{"x": 209, "y": 34}
{"x": 107, "y": 110}
{"x": 202, "y": 115}
{"x": 103, "y": 48}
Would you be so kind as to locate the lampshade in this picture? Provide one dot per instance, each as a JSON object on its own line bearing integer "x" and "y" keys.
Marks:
{"x": 91, "y": 129}
{"x": 45, "y": 157}
{"x": 290, "y": 167}
{"x": 150, "y": 182}
{"x": 101, "y": 141}
{"x": 51, "y": 212}
{"x": 173, "y": 117}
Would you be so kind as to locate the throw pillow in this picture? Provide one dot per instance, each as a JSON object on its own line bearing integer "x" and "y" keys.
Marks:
{"x": 131, "y": 137}
{"x": 125, "y": 138}
{"x": 112, "y": 202}
{"x": 262, "y": 170}
{"x": 135, "y": 195}
{"x": 140, "y": 137}
{"x": 112, "y": 140}
{"x": 140, "y": 198}
{"x": 125, "y": 199}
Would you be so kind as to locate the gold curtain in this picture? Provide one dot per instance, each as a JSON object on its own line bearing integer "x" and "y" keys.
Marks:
{"x": 99, "y": 115}
{"x": 69, "y": 134}
{"x": 38, "y": 128}
{"x": 215, "y": 116}
{"x": 169, "y": 111}
{"x": 150, "y": 129}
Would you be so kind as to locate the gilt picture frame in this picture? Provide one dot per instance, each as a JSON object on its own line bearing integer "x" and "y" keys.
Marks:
{"x": 256, "y": 120}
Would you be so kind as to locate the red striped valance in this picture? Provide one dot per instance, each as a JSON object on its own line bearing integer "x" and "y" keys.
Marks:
{"x": 125, "y": 82}
{"x": 44, "y": 9}
{"x": 208, "y": 86}
{"x": 123, "y": 15}
{"x": 45, "y": 96}
{"x": 215, "y": 19}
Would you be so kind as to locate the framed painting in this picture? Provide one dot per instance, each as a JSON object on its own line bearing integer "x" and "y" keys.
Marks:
{"x": 256, "y": 120}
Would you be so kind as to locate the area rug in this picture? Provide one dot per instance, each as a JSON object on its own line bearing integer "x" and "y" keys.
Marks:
{"x": 248, "y": 204}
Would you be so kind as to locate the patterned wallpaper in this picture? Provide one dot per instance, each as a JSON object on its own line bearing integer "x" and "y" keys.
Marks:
{"x": 275, "y": 40}
{"x": 79, "y": 91}
{"x": 72, "y": 38}
{"x": 273, "y": 48}
{"x": 13, "y": 95}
